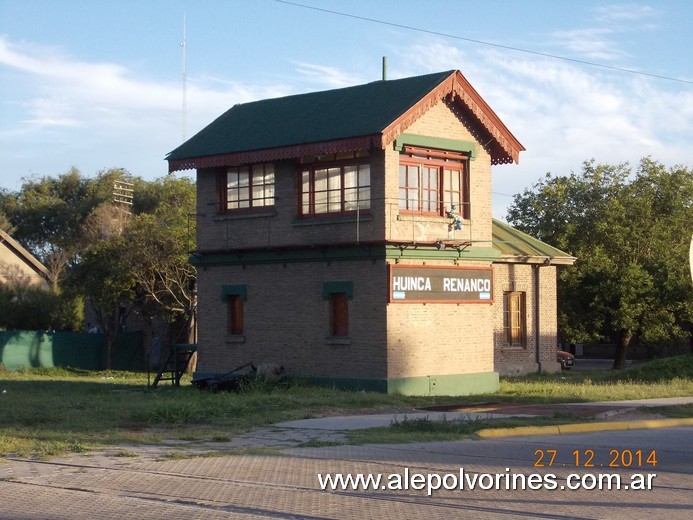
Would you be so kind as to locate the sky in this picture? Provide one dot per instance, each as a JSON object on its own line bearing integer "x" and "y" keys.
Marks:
{"x": 108, "y": 84}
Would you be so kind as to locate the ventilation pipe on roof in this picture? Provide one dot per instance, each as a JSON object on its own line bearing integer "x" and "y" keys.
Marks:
{"x": 384, "y": 68}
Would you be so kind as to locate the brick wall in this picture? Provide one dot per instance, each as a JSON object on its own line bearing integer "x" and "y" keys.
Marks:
{"x": 287, "y": 319}
{"x": 278, "y": 225}
{"x": 439, "y": 338}
{"x": 521, "y": 277}
{"x": 442, "y": 121}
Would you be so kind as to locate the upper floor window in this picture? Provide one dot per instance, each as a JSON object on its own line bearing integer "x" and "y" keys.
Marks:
{"x": 247, "y": 187}
{"x": 432, "y": 181}
{"x": 335, "y": 189}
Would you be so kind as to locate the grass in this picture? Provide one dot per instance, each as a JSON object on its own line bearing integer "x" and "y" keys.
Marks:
{"x": 46, "y": 412}
{"x": 674, "y": 412}
{"x": 426, "y": 430}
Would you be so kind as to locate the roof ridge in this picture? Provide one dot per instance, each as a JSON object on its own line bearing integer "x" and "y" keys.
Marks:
{"x": 335, "y": 120}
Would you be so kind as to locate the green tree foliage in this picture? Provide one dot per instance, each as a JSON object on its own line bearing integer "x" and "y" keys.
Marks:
{"x": 158, "y": 248}
{"x": 32, "y": 308}
{"x": 108, "y": 284}
{"x": 140, "y": 262}
{"x": 48, "y": 214}
{"x": 630, "y": 232}
{"x": 117, "y": 261}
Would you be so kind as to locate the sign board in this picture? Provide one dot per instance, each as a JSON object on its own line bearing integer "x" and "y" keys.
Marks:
{"x": 437, "y": 284}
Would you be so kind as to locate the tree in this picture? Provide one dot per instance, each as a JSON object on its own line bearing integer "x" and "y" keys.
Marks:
{"x": 116, "y": 260}
{"x": 109, "y": 287}
{"x": 48, "y": 214}
{"x": 630, "y": 234}
{"x": 158, "y": 248}
{"x": 25, "y": 307}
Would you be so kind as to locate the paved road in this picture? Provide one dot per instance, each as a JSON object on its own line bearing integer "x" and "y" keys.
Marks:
{"x": 285, "y": 485}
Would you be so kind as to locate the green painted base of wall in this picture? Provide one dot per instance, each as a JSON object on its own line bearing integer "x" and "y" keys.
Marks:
{"x": 454, "y": 384}
{"x": 457, "y": 384}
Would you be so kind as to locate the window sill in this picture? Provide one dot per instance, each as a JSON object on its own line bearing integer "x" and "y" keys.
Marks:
{"x": 235, "y": 338}
{"x": 317, "y": 221}
{"x": 513, "y": 348}
{"x": 242, "y": 215}
{"x": 418, "y": 217}
{"x": 338, "y": 340}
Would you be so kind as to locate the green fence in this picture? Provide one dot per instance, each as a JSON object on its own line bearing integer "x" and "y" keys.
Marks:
{"x": 21, "y": 348}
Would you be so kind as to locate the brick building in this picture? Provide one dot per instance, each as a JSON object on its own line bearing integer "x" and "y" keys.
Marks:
{"x": 347, "y": 236}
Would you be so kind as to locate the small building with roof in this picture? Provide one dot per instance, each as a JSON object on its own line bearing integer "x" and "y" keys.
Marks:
{"x": 347, "y": 237}
{"x": 18, "y": 267}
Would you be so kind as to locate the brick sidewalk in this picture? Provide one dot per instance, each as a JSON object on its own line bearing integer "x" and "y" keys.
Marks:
{"x": 285, "y": 486}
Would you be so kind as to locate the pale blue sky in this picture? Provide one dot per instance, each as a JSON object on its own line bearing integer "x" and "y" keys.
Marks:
{"x": 98, "y": 84}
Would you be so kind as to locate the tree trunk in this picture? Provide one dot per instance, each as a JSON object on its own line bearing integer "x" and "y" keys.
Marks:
{"x": 109, "y": 351}
{"x": 622, "y": 343}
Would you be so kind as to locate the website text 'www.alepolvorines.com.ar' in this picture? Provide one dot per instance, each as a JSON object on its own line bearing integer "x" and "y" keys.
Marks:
{"x": 469, "y": 481}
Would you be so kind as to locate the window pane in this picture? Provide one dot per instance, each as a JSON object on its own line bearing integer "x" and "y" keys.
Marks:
{"x": 305, "y": 182}
{"x": 305, "y": 204}
{"x": 403, "y": 198}
{"x": 232, "y": 179}
{"x": 339, "y": 314}
{"x": 321, "y": 202}
{"x": 412, "y": 176}
{"x": 334, "y": 178}
{"x": 335, "y": 201}
{"x": 350, "y": 177}
{"x": 364, "y": 175}
{"x": 235, "y": 315}
{"x": 413, "y": 200}
{"x": 365, "y": 197}
{"x": 432, "y": 200}
{"x": 320, "y": 180}
{"x": 244, "y": 176}
{"x": 430, "y": 178}
{"x": 350, "y": 199}
{"x": 454, "y": 180}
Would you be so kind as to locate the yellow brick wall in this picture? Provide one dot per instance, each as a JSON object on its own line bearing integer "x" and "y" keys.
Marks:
{"x": 439, "y": 338}
{"x": 287, "y": 319}
{"x": 441, "y": 121}
{"x": 519, "y": 361}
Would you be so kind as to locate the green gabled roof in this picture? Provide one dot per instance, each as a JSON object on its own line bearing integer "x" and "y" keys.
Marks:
{"x": 514, "y": 243}
{"x": 308, "y": 118}
{"x": 333, "y": 121}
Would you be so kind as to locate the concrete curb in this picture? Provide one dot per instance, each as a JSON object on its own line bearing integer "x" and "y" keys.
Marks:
{"x": 564, "y": 429}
